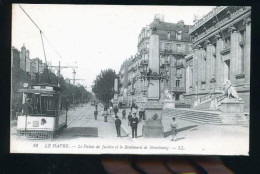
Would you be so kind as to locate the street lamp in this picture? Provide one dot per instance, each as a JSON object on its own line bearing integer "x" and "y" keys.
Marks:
{"x": 148, "y": 74}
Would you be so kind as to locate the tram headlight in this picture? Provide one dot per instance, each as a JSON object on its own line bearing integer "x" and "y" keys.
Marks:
{"x": 43, "y": 121}
{"x": 25, "y": 85}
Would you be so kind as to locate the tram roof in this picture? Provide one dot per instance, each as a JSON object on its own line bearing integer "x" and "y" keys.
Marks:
{"x": 45, "y": 84}
{"x": 39, "y": 91}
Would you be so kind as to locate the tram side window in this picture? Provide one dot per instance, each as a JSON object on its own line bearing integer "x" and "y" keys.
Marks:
{"x": 44, "y": 105}
{"x": 63, "y": 103}
{"x": 52, "y": 103}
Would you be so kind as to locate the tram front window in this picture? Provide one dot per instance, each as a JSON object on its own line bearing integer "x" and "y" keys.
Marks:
{"x": 42, "y": 104}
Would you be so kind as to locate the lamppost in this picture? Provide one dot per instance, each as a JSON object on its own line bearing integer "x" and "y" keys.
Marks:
{"x": 148, "y": 74}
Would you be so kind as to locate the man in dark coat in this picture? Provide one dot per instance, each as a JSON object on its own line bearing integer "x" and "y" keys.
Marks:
{"x": 118, "y": 126}
{"x": 123, "y": 114}
{"x": 26, "y": 108}
{"x": 129, "y": 118}
{"x": 134, "y": 123}
{"x": 115, "y": 110}
{"x": 141, "y": 115}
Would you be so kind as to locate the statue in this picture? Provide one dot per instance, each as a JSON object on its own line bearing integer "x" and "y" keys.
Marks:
{"x": 230, "y": 91}
{"x": 168, "y": 95}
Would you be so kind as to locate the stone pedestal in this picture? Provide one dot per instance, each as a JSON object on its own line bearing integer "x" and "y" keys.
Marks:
{"x": 168, "y": 104}
{"x": 232, "y": 111}
{"x": 153, "y": 127}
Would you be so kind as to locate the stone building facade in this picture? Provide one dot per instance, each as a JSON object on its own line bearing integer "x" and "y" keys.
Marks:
{"x": 174, "y": 45}
{"x": 221, "y": 51}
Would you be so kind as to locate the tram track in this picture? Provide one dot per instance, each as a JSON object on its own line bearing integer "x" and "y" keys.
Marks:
{"x": 79, "y": 115}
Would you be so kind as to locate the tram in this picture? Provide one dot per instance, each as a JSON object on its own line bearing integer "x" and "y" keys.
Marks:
{"x": 48, "y": 113}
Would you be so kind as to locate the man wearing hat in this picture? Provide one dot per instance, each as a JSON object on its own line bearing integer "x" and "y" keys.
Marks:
{"x": 118, "y": 125}
{"x": 129, "y": 118}
{"x": 26, "y": 108}
{"x": 174, "y": 126}
{"x": 134, "y": 122}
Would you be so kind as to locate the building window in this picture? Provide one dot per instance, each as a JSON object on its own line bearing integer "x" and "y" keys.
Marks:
{"x": 169, "y": 35}
{"x": 177, "y": 97}
{"x": 178, "y": 46}
{"x": 177, "y": 83}
{"x": 178, "y": 35}
{"x": 161, "y": 46}
{"x": 168, "y": 46}
{"x": 174, "y": 48}
{"x": 148, "y": 33}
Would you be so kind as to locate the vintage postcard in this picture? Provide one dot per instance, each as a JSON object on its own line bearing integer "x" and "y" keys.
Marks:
{"x": 114, "y": 79}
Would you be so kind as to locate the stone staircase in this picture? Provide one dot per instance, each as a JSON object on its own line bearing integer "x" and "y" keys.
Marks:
{"x": 205, "y": 102}
{"x": 202, "y": 117}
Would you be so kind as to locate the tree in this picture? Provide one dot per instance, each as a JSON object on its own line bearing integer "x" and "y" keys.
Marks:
{"x": 103, "y": 85}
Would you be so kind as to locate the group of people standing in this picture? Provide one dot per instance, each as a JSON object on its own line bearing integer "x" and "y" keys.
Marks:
{"x": 132, "y": 119}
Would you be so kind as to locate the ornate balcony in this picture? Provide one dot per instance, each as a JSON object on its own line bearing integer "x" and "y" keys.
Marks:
{"x": 179, "y": 75}
{"x": 178, "y": 63}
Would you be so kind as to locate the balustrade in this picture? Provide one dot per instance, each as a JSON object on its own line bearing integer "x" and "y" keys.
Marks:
{"x": 221, "y": 23}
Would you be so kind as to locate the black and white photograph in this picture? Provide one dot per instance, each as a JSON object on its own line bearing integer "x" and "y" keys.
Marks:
{"x": 130, "y": 79}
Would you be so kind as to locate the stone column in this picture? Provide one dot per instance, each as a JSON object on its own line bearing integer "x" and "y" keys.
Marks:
{"x": 247, "y": 50}
{"x": 204, "y": 67}
{"x": 153, "y": 127}
{"x": 219, "y": 74}
{"x": 195, "y": 69}
{"x": 209, "y": 62}
{"x": 200, "y": 67}
{"x": 234, "y": 55}
{"x": 187, "y": 79}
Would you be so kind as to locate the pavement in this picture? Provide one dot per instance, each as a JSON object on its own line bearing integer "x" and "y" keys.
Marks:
{"x": 206, "y": 139}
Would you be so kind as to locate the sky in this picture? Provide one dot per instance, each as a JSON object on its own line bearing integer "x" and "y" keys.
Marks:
{"x": 91, "y": 37}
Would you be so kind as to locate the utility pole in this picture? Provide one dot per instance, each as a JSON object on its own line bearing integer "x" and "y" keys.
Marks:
{"x": 38, "y": 71}
{"x": 74, "y": 74}
{"x": 59, "y": 67}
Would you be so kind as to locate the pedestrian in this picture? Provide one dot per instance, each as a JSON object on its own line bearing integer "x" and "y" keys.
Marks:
{"x": 95, "y": 114}
{"x": 26, "y": 108}
{"x": 134, "y": 110}
{"x": 118, "y": 126}
{"x": 129, "y": 118}
{"x": 105, "y": 114}
{"x": 123, "y": 114}
{"x": 110, "y": 109}
{"x": 134, "y": 123}
{"x": 132, "y": 106}
{"x": 141, "y": 115}
{"x": 115, "y": 110}
{"x": 174, "y": 126}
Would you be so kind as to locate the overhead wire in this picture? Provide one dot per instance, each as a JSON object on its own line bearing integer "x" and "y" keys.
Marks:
{"x": 43, "y": 34}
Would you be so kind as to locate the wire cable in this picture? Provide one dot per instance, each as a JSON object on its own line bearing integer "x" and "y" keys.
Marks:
{"x": 42, "y": 34}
